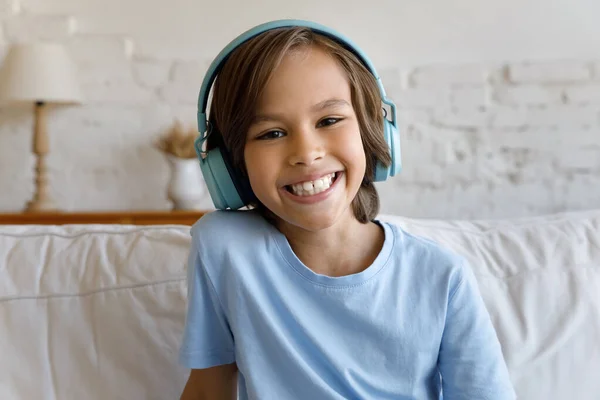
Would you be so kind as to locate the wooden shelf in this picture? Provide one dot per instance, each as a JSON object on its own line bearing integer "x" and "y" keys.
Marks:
{"x": 108, "y": 217}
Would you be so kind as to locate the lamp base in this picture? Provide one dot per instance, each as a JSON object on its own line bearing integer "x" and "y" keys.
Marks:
{"x": 41, "y": 205}
{"x": 41, "y": 201}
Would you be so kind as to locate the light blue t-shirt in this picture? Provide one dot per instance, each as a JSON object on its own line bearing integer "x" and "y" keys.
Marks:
{"x": 392, "y": 331}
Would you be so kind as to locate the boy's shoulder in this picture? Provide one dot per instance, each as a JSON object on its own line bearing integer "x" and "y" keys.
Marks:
{"x": 226, "y": 243}
{"x": 228, "y": 227}
{"x": 426, "y": 253}
{"x": 226, "y": 218}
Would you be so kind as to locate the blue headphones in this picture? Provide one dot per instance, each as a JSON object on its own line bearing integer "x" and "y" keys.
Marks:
{"x": 226, "y": 189}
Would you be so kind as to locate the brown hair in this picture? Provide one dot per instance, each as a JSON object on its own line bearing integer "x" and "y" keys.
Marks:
{"x": 247, "y": 71}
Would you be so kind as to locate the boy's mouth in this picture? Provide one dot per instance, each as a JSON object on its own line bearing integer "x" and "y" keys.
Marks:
{"x": 310, "y": 188}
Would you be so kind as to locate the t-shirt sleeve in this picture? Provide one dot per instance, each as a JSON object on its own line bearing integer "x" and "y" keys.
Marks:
{"x": 470, "y": 359}
{"x": 207, "y": 338}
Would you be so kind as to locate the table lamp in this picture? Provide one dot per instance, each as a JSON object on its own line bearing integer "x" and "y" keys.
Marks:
{"x": 41, "y": 74}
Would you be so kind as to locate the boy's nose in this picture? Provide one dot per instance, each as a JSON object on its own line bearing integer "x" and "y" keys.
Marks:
{"x": 306, "y": 148}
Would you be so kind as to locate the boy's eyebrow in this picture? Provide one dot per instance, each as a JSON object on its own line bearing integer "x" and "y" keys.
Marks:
{"x": 316, "y": 108}
{"x": 329, "y": 103}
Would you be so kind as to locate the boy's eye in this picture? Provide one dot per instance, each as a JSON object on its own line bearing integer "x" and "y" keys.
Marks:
{"x": 271, "y": 135}
{"x": 328, "y": 121}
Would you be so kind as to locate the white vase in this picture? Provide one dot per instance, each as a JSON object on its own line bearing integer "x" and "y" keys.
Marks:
{"x": 186, "y": 186}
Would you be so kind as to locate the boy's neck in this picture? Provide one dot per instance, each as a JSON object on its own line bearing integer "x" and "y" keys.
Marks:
{"x": 348, "y": 247}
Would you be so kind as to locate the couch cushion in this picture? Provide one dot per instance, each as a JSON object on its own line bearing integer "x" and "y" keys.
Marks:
{"x": 540, "y": 280}
{"x": 92, "y": 312}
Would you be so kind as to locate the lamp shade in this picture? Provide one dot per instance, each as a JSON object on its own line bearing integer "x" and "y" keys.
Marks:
{"x": 42, "y": 72}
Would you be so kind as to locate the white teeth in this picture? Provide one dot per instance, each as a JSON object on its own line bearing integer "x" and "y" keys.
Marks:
{"x": 311, "y": 188}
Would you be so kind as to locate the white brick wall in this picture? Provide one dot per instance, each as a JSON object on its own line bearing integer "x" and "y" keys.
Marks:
{"x": 550, "y": 72}
{"x": 152, "y": 74}
{"x": 479, "y": 140}
{"x": 583, "y": 94}
{"x": 8, "y": 8}
{"x": 443, "y": 75}
{"x": 515, "y": 139}
{"x": 184, "y": 82}
{"x": 528, "y": 95}
{"x": 31, "y": 27}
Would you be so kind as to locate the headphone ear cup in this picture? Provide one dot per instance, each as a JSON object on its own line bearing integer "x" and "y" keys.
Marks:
{"x": 395, "y": 149}
{"x": 381, "y": 171}
{"x": 392, "y": 138}
{"x": 219, "y": 181}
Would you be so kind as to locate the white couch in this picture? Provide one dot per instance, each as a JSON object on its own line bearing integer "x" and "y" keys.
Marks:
{"x": 97, "y": 311}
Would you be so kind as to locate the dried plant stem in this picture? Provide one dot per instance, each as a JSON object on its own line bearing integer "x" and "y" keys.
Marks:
{"x": 178, "y": 142}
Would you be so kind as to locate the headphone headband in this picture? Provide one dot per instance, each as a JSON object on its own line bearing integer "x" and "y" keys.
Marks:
{"x": 218, "y": 62}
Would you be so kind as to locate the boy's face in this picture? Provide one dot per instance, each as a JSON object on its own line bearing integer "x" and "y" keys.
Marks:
{"x": 303, "y": 152}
